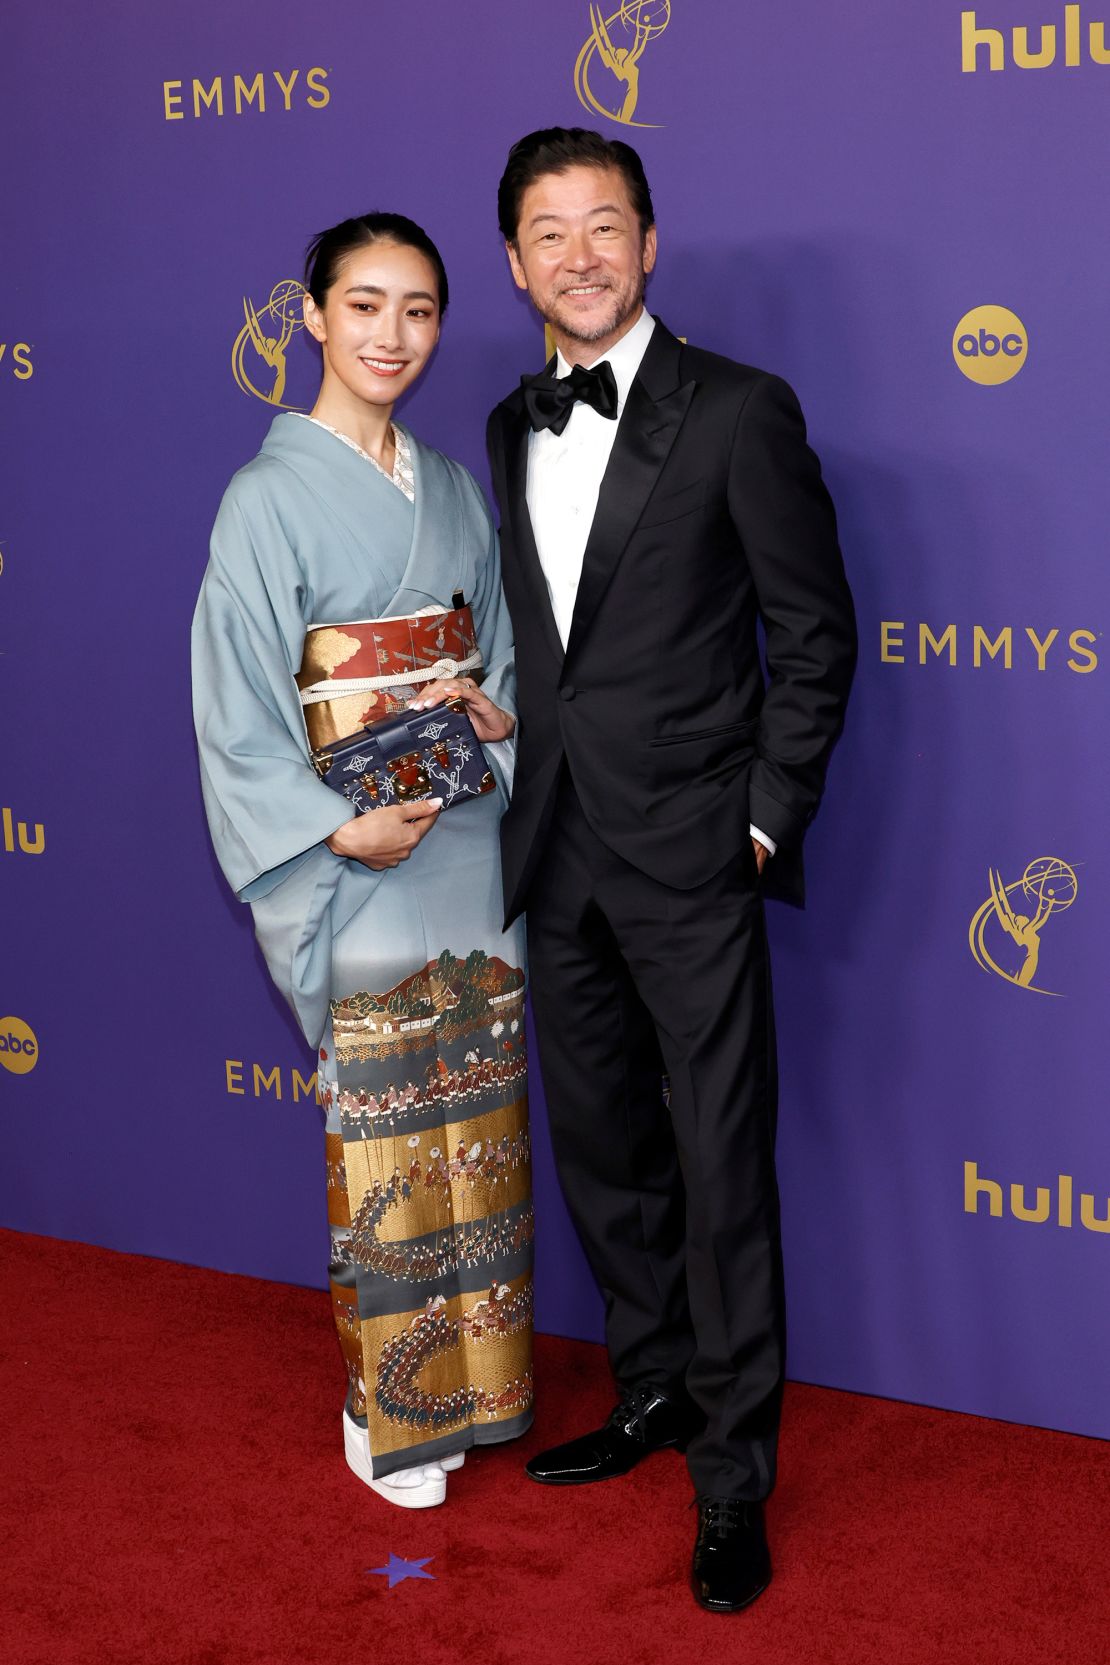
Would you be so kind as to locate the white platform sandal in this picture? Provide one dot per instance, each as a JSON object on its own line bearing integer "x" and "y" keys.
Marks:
{"x": 409, "y": 1488}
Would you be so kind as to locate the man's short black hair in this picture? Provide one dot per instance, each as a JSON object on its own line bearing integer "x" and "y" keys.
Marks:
{"x": 554, "y": 150}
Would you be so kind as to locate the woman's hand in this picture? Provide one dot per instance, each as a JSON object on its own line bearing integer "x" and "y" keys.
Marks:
{"x": 385, "y": 837}
{"x": 490, "y": 722}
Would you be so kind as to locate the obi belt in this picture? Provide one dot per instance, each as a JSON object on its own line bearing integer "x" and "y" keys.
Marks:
{"x": 353, "y": 674}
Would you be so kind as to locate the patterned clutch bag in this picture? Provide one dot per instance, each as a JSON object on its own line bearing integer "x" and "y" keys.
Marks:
{"x": 411, "y": 755}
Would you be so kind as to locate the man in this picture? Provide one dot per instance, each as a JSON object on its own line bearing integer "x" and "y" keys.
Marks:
{"x": 656, "y": 501}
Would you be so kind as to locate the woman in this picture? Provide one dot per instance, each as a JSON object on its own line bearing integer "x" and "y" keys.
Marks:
{"x": 354, "y": 572}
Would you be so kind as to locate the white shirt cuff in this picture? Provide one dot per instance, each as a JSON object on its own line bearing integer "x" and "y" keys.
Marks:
{"x": 768, "y": 843}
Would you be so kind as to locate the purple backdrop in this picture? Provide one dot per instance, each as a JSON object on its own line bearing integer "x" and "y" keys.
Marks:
{"x": 836, "y": 191}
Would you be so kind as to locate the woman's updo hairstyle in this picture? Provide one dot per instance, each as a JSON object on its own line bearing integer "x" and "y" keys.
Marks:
{"x": 328, "y": 250}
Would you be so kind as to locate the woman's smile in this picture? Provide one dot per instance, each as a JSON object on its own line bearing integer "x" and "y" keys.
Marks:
{"x": 383, "y": 366}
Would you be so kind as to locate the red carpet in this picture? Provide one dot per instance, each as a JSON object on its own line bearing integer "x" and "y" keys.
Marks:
{"x": 174, "y": 1491}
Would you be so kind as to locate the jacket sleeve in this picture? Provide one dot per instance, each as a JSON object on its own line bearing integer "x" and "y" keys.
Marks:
{"x": 494, "y": 629}
{"x": 785, "y": 519}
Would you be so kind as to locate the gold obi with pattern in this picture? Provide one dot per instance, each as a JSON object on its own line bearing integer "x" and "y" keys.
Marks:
{"x": 353, "y": 674}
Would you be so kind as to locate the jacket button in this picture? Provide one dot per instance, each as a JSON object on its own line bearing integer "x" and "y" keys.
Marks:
{"x": 568, "y": 692}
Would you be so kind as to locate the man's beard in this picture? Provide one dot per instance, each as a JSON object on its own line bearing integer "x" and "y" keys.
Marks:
{"x": 585, "y": 332}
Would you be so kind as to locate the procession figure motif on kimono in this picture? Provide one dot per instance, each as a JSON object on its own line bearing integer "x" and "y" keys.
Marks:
{"x": 354, "y": 575}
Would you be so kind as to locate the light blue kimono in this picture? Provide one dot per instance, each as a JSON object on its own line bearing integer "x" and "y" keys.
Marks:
{"x": 426, "y": 1214}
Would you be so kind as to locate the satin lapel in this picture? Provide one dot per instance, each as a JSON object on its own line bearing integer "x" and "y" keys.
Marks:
{"x": 648, "y": 428}
{"x": 516, "y": 430}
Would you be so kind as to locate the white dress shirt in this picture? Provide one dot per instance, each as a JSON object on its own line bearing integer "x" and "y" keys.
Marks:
{"x": 564, "y": 478}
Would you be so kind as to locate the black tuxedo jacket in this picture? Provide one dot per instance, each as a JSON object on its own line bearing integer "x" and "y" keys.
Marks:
{"x": 712, "y": 517}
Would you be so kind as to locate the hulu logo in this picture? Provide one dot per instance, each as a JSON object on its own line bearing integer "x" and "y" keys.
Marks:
{"x": 1070, "y": 44}
{"x": 1050, "y": 1203}
{"x": 32, "y": 844}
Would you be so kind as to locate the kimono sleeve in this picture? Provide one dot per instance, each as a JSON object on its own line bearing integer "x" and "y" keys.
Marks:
{"x": 267, "y": 809}
{"x": 494, "y": 630}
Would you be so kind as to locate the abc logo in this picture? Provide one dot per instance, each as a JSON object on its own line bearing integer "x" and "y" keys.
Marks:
{"x": 19, "y": 1050}
{"x": 990, "y": 345}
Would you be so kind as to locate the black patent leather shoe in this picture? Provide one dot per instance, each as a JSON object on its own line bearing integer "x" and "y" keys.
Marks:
{"x": 732, "y": 1563}
{"x": 644, "y": 1421}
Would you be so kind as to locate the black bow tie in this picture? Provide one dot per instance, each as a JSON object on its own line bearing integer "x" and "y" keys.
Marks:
{"x": 549, "y": 400}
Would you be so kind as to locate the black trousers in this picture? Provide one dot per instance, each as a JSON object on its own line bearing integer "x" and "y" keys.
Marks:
{"x": 676, "y": 1204}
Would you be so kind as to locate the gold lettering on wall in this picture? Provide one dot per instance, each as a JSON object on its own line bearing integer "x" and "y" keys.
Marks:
{"x": 16, "y": 836}
{"x": 247, "y": 95}
{"x": 19, "y": 361}
{"x": 199, "y": 96}
{"x": 991, "y": 645}
{"x": 269, "y": 1082}
{"x": 1035, "y": 46}
{"x": 985, "y": 1198}
{"x": 939, "y": 644}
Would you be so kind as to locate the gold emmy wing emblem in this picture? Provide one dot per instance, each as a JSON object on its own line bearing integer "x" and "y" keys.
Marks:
{"x": 617, "y": 44}
{"x": 258, "y": 360}
{"x": 1012, "y": 918}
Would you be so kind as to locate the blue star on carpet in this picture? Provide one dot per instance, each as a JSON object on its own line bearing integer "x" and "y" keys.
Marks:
{"x": 399, "y": 1569}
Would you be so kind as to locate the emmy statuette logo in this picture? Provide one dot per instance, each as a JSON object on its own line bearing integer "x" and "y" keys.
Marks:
{"x": 1005, "y": 932}
{"x": 258, "y": 357}
{"x": 990, "y": 345}
{"x": 615, "y": 45}
{"x": 19, "y": 1047}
